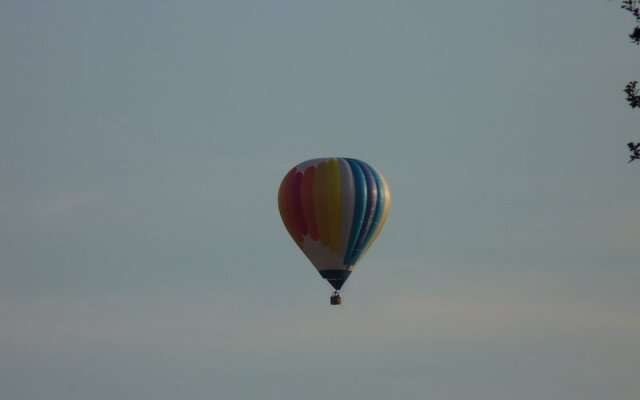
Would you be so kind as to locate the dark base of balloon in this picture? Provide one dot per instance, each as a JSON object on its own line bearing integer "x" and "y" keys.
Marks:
{"x": 336, "y": 277}
{"x": 335, "y": 299}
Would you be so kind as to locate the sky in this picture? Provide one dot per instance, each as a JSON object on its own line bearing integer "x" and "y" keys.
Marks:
{"x": 142, "y": 144}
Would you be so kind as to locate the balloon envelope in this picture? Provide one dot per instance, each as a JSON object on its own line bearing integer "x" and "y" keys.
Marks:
{"x": 334, "y": 209}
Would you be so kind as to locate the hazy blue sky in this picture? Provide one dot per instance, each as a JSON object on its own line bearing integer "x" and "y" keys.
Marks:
{"x": 142, "y": 255}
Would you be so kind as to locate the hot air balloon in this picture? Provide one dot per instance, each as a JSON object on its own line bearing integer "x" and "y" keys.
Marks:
{"x": 334, "y": 209}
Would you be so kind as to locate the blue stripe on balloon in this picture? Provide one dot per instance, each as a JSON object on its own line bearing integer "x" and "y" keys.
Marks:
{"x": 359, "y": 208}
{"x": 379, "y": 208}
{"x": 370, "y": 211}
{"x": 372, "y": 202}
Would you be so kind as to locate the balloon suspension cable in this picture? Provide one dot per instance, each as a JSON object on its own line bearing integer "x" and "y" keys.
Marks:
{"x": 335, "y": 298}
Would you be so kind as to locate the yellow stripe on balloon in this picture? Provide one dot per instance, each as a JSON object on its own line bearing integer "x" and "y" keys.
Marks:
{"x": 334, "y": 205}
{"x": 321, "y": 202}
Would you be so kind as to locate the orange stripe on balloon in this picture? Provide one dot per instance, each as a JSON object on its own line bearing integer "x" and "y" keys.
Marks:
{"x": 320, "y": 202}
{"x": 306, "y": 197}
{"x": 285, "y": 201}
{"x": 333, "y": 203}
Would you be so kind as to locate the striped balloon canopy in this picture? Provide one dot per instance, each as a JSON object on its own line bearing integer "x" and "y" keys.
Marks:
{"x": 334, "y": 209}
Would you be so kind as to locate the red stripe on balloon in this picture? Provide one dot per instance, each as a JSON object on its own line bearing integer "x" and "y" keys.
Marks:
{"x": 285, "y": 206}
{"x": 307, "y": 202}
{"x": 296, "y": 205}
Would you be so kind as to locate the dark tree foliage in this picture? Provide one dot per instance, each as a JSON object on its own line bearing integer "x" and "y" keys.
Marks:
{"x": 635, "y": 35}
{"x": 633, "y": 95}
{"x": 632, "y": 6}
{"x": 634, "y": 9}
{"x": 631, "y": 90}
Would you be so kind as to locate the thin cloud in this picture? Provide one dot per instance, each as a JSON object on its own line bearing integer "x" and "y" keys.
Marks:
{"x": 222, "y": 324}
{"x": 69, "y": 203}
